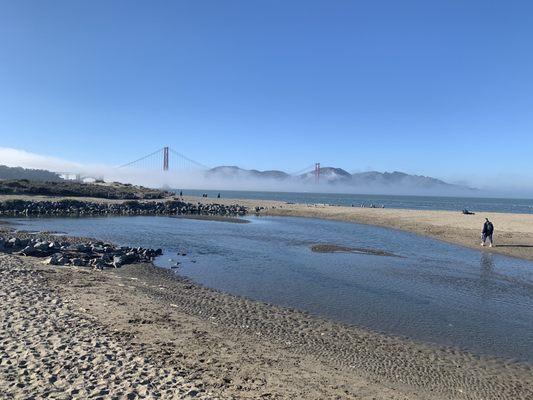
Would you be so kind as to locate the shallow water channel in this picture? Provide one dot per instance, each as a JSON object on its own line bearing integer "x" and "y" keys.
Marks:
{"x": 430, "y": 291}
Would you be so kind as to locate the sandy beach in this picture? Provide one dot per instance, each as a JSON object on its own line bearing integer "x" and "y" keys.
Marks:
{"x": 141, "y": 331}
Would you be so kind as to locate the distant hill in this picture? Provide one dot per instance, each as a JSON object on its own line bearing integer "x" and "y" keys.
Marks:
{"x": 30, "y": 174}
{"x": 337, "y": 176}
{"x": 395, "y": 178}
{"x": 114, "y": 190}
{"x": 328, "y": 174}
{"x": 233, "y": 172}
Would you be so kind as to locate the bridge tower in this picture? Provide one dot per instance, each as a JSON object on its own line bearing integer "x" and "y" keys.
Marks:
{"x": 317, "y": 173}
{"x": 165, "y": 158}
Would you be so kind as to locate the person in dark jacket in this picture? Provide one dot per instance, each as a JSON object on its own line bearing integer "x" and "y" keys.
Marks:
{"x": 486, "y": 233}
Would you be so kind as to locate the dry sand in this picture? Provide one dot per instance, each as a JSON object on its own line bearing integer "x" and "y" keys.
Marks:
{"x": 53, "y": 349}
{"x": 513, "y": 232}
{"x": 69, "y": 332}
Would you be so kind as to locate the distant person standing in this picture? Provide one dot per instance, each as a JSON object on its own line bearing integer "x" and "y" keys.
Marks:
{"x": 486, "y": 233}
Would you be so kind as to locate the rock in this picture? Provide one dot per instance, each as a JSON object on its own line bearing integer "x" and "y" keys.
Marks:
{"x": 130, "y": 256}
{"x": 98, "y": 263}
{"x": 78, "y": 262}
{"x": 76, "y": 208}
{"x": 58, "y": 259}
{"x": 82, "y": 248}
{"x": 42, "y": 246}
{"x": 14, "y": 242}
{"x": 96, "y": 254}
{"x": 32, "y": 252}
{"x": 97, "y": 249}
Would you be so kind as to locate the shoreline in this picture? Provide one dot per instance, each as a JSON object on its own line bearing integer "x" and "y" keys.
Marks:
{"x": 226, "y": 346}
{"x": 513, "y": 232}
{"x": 217, "y": 339}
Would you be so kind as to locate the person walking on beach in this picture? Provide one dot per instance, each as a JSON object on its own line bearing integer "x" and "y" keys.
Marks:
{"x": 486, "y": 233}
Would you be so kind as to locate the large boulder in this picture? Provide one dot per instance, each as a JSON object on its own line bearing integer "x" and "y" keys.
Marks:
{"x": 13, "y": 242}
{"x": 98, "y": 263}
{"x": 58, "y": 259}
{"x": 78, "y": 262}
{"x": 32, "y": 252}
{"x": 44, "y": 245}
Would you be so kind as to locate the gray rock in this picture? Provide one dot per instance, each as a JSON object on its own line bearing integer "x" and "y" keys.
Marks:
{"x": 31, "y": 251}
{"x": 97, "y": 249}
{"x": 14, "y": 242}
{"x": 98, "y": 263}
{"x": 78, "y": 262}
{"x": 83, "y": 248}
{"x": 58, "y": 259}
{"x": 42, "y": 245}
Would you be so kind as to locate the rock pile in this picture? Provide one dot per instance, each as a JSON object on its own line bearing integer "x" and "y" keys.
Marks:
{"x": 68, "y": 207}
{"x": 94, "y": 254}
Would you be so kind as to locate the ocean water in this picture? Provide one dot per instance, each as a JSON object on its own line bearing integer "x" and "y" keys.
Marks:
{"x": 430, "y": 291}
{"x": 476, "y": 204}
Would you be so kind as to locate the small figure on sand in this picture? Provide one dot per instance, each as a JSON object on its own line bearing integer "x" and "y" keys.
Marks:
{"x": 488, "y": 230}
{"x": 218, "y": 196}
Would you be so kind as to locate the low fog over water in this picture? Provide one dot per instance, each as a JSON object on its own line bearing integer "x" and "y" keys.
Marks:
{"x": 332, "y": 180}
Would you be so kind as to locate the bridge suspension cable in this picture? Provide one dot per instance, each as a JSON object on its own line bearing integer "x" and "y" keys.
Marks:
{"x": 141, "y": 159}
{"x": 166, "y": 159}
{"x": 196, "y": 163}
{"x": 309, "y": 168}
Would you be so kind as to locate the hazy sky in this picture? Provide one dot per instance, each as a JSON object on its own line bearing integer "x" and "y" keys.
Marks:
{"x": 435, "y": 88}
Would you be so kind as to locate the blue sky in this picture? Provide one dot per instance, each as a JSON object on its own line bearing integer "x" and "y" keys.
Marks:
{"x": 427, "y": 87}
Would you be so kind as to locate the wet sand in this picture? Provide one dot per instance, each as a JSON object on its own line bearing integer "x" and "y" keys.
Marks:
{"x": 143, "y": 330}
{"x": 335, "y": 248}
{"x": 513, "y": 232}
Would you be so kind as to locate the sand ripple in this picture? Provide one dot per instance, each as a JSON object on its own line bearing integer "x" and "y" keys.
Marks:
{"x": 49, "y": 350}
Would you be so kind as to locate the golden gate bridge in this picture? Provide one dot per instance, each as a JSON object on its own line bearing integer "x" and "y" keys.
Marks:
{"x": 167, "y": 159}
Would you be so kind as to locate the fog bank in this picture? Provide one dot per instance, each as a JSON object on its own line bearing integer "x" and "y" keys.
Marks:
{"x": 399, "y": 184}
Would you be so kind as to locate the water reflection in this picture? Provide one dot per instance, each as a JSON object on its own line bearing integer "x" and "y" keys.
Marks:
{"x": 486, "y": 275}
{"x": 487, "y": 264}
